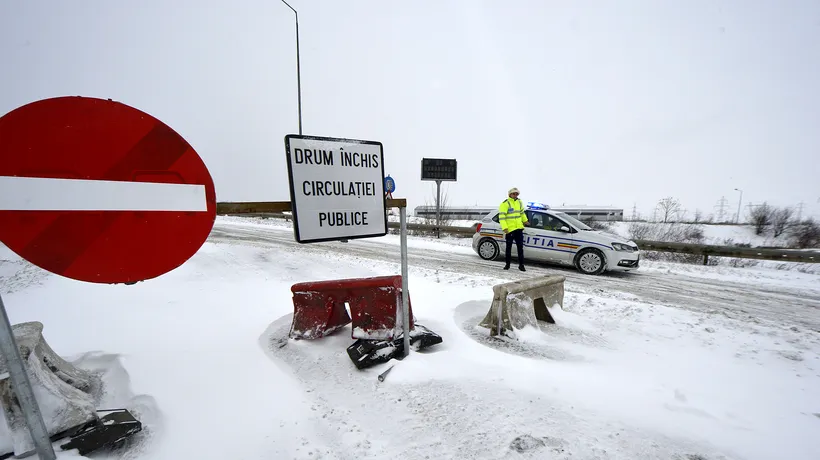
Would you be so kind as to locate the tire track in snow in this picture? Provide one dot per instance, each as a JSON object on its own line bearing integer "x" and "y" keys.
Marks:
{"x": 362, "y": 419}
{"x": 441, "y": 419}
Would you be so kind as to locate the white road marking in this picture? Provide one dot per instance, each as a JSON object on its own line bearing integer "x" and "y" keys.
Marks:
{"x": 48, "y": 194}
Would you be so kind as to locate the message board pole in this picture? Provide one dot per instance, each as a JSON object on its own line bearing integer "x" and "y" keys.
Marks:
{"x": 438, "y": 209}
{"x": 21, "y": 386}
{"x": 405, "y": 294}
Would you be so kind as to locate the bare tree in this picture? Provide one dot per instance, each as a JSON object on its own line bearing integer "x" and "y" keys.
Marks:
{"x": 443, "y": 205}
{"x": 674, "y": 233}
{"x": 668, "y": 208}
{"x": 639, "y": 230}
{"x": 806, "y": 234}
{"x": 781, "y": 219}
{"x": 760, "y": 217}
{"x": 698, "y": 216}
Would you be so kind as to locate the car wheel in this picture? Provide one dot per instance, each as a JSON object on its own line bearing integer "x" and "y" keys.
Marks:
{"x": 590, "y": 262}
{"x": 488, "y": 249}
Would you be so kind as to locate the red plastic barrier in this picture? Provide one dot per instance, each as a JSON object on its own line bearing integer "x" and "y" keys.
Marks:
{"x": 319, "y": 308}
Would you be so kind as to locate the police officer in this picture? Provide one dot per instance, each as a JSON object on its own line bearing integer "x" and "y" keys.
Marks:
{"x": 513, "y": 219}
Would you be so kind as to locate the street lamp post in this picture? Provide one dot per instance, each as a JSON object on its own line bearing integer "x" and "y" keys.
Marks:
{"x": 740, "y": 200}
{"x": 298, "y": 66}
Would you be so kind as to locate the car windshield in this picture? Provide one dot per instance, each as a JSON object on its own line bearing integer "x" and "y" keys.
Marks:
{"x": 577, "y": 223}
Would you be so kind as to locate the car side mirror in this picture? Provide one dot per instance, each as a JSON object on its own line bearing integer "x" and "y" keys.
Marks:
{"x": 564, "y": 228}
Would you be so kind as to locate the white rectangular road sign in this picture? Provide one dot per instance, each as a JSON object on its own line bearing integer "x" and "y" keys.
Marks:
{"x": 336, "y": 188}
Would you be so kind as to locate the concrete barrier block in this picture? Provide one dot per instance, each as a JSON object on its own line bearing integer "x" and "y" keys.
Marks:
{"x": 58, "y": 388}
{"x": 526, "y": 302}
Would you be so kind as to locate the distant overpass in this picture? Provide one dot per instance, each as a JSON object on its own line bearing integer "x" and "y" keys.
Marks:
{"x": 602, "y": 213}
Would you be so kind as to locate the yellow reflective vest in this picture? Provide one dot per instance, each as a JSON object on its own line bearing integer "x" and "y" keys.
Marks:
{"x": 511, "y": 215}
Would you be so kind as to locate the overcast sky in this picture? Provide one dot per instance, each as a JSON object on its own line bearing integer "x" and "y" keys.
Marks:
{"x": 577, "y": 102}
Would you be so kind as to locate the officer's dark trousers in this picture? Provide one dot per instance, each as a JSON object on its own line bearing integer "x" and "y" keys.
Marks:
{"x": 516, "y": 236}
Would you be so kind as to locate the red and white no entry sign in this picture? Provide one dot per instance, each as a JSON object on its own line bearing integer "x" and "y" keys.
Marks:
{"x": 98, "y": 191}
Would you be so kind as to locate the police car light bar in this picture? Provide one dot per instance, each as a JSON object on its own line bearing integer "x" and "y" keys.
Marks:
{"x": 536, "y": 205}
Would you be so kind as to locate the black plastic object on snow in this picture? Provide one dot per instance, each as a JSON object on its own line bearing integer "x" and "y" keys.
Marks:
{"x": 366, "y": 353}
{"x": 110, "y": 431}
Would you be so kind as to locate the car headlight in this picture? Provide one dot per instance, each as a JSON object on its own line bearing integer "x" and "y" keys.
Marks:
{"x": 623, "y": 247}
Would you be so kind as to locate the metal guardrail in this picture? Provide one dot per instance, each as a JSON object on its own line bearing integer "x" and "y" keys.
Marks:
{"x": 277, "y": 209}
{"x": 782, "y": 255}
{"x": 461, "y": 231}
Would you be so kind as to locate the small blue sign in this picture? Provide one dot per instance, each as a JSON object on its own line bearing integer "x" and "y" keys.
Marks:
{"x": 389, "y": 184}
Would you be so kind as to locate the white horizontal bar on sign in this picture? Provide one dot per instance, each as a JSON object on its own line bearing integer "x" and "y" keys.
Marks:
{"x": 48, "y": 194}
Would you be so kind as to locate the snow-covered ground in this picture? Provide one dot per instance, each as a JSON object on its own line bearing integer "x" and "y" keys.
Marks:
{"x": 672, "y": 361}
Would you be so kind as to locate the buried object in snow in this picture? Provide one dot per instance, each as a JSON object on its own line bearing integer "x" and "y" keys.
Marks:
{"x": 110, "y": 430}
{"x": 366, "y": 353}
{"x": 375, "y": 313}
{"x": 66, "y": 400}
{"x": 520, "y": 303}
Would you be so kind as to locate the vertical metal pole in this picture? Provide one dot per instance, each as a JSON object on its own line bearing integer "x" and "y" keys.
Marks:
{"x": 438, "y": 209}
{"x": 21, "y": 386}
{"x": 298, "y": 67}
{"x": 405, "y": 294}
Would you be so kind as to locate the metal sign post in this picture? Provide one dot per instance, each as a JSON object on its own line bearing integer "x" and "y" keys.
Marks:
{"x": 405, "y": 293}
{"x": 21, "y": 386}
{"x": 438, "y": 209}
{"x": 439, "y": 169}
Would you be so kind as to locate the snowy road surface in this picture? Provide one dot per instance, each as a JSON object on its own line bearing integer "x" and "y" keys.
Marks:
{"x": 670, "y": 362}
{"x": 756, "y": 298}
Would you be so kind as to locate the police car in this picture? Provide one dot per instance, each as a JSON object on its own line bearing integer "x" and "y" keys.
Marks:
{"x": 556, "y": 237}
